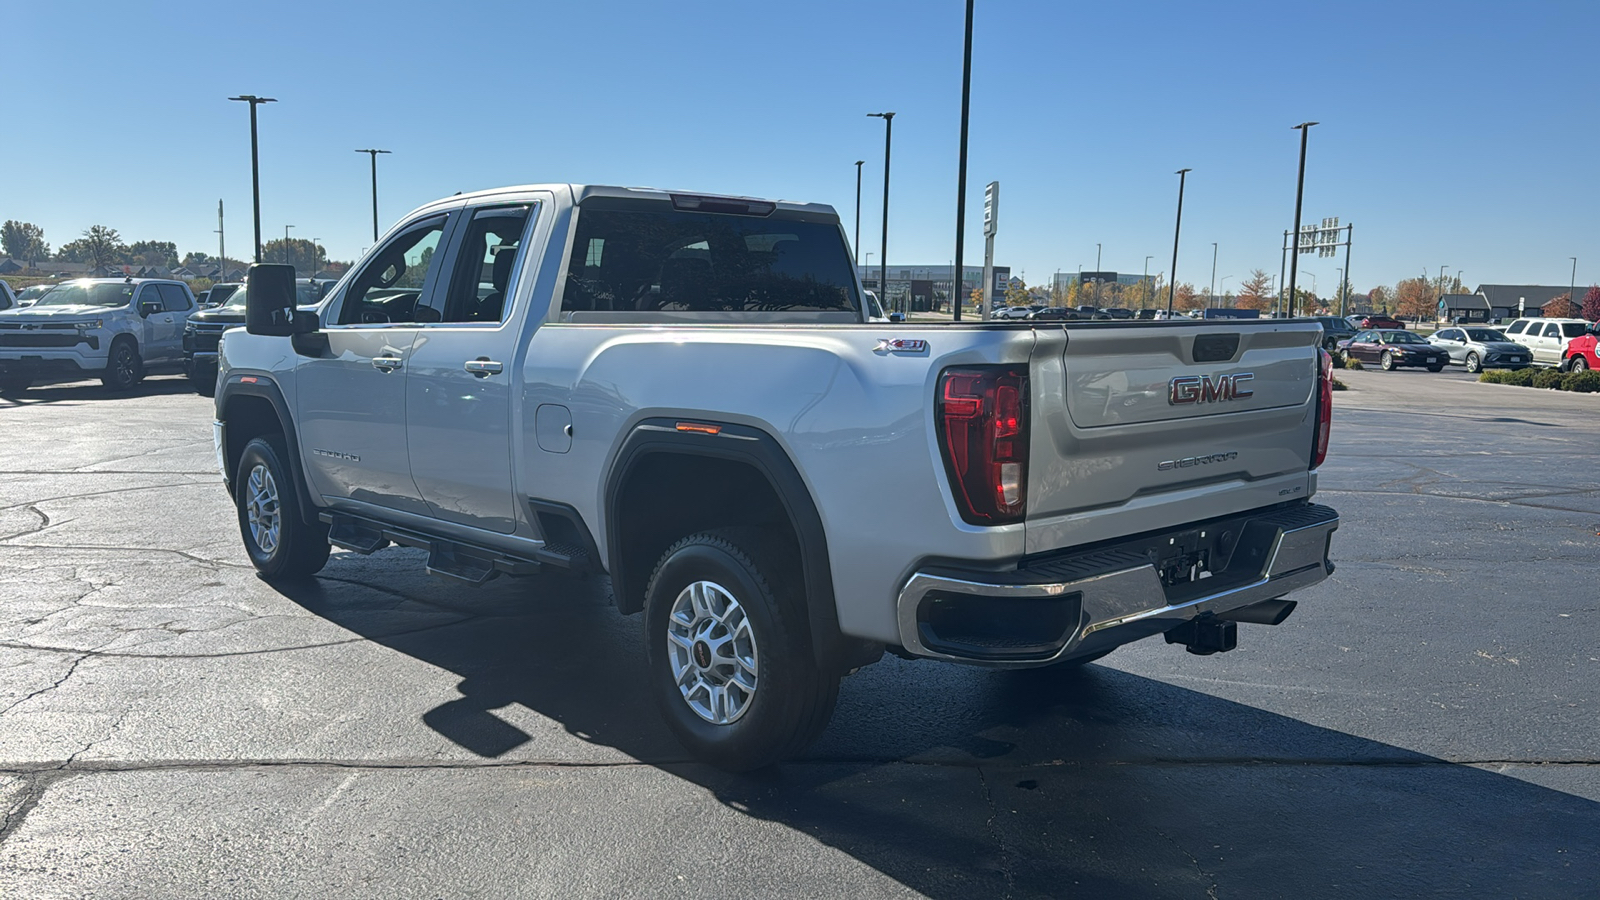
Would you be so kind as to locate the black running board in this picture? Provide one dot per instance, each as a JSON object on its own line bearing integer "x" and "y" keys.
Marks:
{"x": 453, "y": 559}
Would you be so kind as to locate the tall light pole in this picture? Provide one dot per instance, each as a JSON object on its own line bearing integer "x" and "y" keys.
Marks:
{"x": 1145, "y": 291}
{"x": 1299, "y": 192}
{"x": 859, "y": 163}
{"x": 1573, "y": 288}
{"x": 1097, "y": 276}
{"x": 1177, "y": 230}
{"x": 373, "y": 153}
{"x": 222, "y": 247}
{"x": 961, "y": 171}
{"x": 1213, "y": 292}
{"x": 883, "y": 254}
{"x": 255, "y": 161}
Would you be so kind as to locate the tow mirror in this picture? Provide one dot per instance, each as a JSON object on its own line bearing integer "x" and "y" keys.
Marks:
{"x": 269, "y": 300}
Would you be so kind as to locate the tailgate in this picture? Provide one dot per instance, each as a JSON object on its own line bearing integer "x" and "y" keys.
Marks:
{"x": 1139, "y": 427}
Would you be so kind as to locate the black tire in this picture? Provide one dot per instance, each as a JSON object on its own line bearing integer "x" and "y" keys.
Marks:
{"x": 124, "y": 369}
{"x": 1474, "y": 364}
{"x": 1387, "y": 361}
{"x": 792, "y": 699}
{"x": 300, "y": 550}
{"x": 1579, "y": 364}
{"x": 1437, "y": 368}
{"x": 204, "y": 380}
{"x": 14, "y": 386}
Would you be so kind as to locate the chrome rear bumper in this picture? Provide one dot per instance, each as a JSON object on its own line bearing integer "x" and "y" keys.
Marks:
{"x": 1125, "y": 599}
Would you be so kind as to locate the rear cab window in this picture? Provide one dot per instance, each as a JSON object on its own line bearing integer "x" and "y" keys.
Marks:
{"x": 706, "y": 259}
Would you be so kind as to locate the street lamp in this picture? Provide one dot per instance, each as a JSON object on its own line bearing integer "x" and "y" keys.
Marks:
{"x": 373, "y": 153}
{"x": 883, "y": 255}
{"x": 859, "y": 163}
{"x": 1299, "y": 192}
{"x": 1573, "y": 288}
{"x": 1097, "y": 276}
{"x": 255, "y": 161}
{"x": 1176, "y": 230}
{"x": 1213, "y": 291}
{"x": 961, "y": 174}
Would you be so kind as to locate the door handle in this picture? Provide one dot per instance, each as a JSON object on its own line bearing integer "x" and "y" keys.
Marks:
{"x": 387, "y": 363}
{"x": 483, "y": 367}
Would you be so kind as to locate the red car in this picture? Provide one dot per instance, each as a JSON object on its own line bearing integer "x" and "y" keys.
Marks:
{"x": 1582, "y": 353}
{"x": 1377, "y": 321}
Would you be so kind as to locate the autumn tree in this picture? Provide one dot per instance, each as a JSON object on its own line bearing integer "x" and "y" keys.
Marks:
{"x": 1017, "y": 294}
{"x": 1416, "y": 297}
{"x": 1560, "y": 307}
{"x": 1256, "y": 292}
{"x": 23, "y": 240}
{"x": 1378, "y": 298}
{"x": 1185, "y": 298}
{"x": 1591, "y": 304}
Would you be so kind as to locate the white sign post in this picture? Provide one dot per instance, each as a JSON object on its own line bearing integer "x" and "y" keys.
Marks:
{"x": 991, "y": 223}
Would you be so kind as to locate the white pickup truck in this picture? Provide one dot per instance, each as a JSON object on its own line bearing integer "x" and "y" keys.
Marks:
{"x": 683, "y": 392}
{"x": 116, "y": 329}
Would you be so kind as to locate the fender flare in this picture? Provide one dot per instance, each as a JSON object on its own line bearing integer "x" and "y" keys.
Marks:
{"x": 762, "y": 452}
{"x": 262, "y": 386}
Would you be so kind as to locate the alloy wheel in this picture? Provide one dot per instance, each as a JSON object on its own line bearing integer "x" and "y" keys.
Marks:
{"x": 261, "y": 506}
{"x": 712, "y": 649}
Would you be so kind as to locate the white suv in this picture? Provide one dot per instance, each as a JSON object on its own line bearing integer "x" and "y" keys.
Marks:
{"x": 118, "y": 329}
{"x": 1547, "y": 338}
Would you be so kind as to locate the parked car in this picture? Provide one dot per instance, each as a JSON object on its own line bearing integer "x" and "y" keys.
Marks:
{"x": 1547, "y": 338}
{"x": 1014, "y": 312}
{"x": 1479, "y": 348}
{"x": 202, "y": 335}
{"x": 701, "y": 422}
{"x": 31, "y": 295}
{"x": 1582, "y": 354}
{"x": 1393, "y": 350}
{"x": 1334, "y": 330}
{"x": 1380, "y": 321}
{"x": 1118, "y": 312}
{"x": 1057, "y": 313}
{"x": 119, "y": 329}
{"x": 222, "y": 292}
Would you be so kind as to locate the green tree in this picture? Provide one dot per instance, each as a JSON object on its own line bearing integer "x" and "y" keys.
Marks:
{"x": 23, "y": 240}
{"x": 153, "y": 253}
{"x": 297, "y": 252}
{"x": 1017, "y": 294}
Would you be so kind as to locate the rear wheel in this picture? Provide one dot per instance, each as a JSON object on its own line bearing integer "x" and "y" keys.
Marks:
{"x": 1387, "y": 361}
{"x": 1579, "y": 364}
{"x": 730, "y": 658}
{"x": 123, "y": 368}
{"x": 1474, "y": 364}
{"x": 281, "y": 545}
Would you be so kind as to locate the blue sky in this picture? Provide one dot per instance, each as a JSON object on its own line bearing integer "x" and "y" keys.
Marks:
{"x": 1461, "y": 134}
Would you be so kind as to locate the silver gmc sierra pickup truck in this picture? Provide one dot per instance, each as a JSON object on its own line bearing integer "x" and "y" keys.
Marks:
{"x": 684, "y": 392}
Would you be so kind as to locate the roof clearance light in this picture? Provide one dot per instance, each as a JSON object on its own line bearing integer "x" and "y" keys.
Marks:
{"x": 697, "y": 428}
{"x": 731, "y": 205}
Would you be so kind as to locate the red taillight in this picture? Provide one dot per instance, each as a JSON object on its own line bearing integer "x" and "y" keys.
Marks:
{"x": 1319, "y": 447}
{"x": 983, "y": 435}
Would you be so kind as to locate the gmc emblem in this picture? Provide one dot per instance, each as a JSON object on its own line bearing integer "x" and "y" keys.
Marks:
{"x": 1209, "y": 389}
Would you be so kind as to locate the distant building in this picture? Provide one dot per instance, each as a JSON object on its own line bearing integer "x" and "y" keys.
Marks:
{"x": 1513, "y": 300}
{"x": 1468, "y": 308}
{"x": 927, "y": 288}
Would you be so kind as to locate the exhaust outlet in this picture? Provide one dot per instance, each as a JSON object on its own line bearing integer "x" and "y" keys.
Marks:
{"x": 1267, "y": 612}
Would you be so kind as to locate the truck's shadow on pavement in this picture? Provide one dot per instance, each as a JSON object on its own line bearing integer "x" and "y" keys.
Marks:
{"x": 969, "y": 783}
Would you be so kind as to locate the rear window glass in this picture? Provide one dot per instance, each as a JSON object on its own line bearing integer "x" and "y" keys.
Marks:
{"x": 646, "y": 256}
{"x": 1516, "y": 327}
{"x": 1573, "y": 329}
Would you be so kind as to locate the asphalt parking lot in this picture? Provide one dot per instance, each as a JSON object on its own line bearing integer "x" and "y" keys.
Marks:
{"x": 170, "y": 725}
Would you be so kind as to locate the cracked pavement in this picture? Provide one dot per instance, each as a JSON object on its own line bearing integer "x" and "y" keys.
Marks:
{"x": 172, "y": 726}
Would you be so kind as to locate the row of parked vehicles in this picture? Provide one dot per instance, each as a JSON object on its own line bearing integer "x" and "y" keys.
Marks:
{"x": 119, "y": 330}
{"x": 1567, "y": 344}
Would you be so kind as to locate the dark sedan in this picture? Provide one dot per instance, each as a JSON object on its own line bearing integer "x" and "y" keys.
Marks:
{"x": 1394, "y": 349}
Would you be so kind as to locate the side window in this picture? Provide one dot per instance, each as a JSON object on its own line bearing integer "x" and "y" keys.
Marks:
{"x": 1450, "y": 335}
{"x": 1551, "y": 329}
{"x": 387, "y": 290}
{"x": 1516, "y": 327}
{"x": 174, "y": 298}
{"x": 480, "y": 285}
{"x": 1365, "y": 337}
